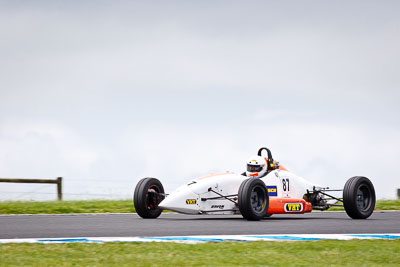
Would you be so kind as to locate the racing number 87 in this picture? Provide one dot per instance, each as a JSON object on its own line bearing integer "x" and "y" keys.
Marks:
{"x": 285, "y": 184}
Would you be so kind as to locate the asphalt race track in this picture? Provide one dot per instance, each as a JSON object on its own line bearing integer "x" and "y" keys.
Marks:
{"x": 169, "y": 224}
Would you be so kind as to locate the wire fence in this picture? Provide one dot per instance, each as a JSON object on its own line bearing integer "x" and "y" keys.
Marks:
{"x": 49, "y": 193}
{"x": 31, "y": 195}
{"x": 74, "y": 188}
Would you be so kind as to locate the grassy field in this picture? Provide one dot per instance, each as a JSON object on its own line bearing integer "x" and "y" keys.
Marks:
{"x": 380, "y": 205}
{"x": 100, "y": 206}
{"x": 309, "y": 253}
{"x": 57, "y": 207}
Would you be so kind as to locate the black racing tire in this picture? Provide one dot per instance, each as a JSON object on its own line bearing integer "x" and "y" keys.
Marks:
{"x": 253, "y": 199}
{"x": 149, "y": 192}
{"x": 359, "y": 197}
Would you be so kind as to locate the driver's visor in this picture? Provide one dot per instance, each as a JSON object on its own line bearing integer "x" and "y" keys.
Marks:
{"x": 254, "y": 168}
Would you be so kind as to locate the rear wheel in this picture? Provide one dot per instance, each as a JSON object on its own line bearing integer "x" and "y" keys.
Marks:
{"x": 359, "y": 197}
{"x": 149, "y": 192}
{"x": 253, "y": 199}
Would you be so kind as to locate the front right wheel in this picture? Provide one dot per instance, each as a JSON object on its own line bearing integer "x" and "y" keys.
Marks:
{"x": 253, "y": 199}
{"x": 149, "y": 192}
{"x": 359, "y": 197}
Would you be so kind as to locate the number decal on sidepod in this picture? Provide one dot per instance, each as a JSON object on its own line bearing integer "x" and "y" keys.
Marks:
{"x": 285, "y": 184}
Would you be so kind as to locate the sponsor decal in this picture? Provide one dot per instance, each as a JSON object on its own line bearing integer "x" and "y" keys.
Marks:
{"x": 272, "y": 191}
{"x": 190, "y": 201}
{"x": 293, "y": 207}
{"x": 217, "y": 206}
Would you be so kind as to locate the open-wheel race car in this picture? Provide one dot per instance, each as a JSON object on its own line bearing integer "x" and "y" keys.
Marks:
{"x": 277, "y": 192}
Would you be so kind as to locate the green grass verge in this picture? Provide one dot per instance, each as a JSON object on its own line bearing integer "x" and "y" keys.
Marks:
{"x": 57, "y": 207}
{"x": 103, "y": 206}
{"x": 309, "y": 253}
{"x": 380, "y": 205}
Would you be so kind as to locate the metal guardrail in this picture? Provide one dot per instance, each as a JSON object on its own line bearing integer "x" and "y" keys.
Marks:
{"x": 57, "y": 181}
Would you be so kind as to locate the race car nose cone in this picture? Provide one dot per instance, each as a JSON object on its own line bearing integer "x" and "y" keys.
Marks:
{"x": 184, "y": 202}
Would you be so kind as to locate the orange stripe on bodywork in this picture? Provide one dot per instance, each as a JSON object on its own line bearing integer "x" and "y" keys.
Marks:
{"x": 254, "y": 174}
{"x": 277, "y": 205}
{"x": 280, "y": 167}
{"x": 266, "y": 160}
{"x": 212, "y": 175}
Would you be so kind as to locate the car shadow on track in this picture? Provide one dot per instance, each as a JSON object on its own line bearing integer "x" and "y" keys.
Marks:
{"x": 238, "y": 218}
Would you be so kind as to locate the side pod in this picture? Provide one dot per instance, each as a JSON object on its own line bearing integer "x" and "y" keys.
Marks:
{"x": 288, "y": 205}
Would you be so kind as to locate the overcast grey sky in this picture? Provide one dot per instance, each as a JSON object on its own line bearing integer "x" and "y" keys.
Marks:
{"x": 104, "y": 93}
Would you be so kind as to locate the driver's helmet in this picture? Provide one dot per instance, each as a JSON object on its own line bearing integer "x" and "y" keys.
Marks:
{"x": 256, "y": 167}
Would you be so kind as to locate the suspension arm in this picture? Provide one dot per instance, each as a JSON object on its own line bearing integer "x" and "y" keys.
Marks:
{"x": 338, "y": 199}
{"x": 220, "y": 196}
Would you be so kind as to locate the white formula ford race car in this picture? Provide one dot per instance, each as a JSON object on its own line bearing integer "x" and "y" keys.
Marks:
{"x": 278, "y": 192}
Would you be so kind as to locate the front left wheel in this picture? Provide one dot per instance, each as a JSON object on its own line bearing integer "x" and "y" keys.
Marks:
{"x": 253, "y": 199}
{"x": 149, "y": 192}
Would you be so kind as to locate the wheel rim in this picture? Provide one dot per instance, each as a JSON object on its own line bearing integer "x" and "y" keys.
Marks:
{"x": 257, "y": 199}
{"x": 153, "y": 197}
{"x": 364, "y": 198}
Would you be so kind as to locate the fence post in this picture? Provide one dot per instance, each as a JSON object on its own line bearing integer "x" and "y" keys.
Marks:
{"x": 59, "y": 188}
{"x": 398, "y": 193}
